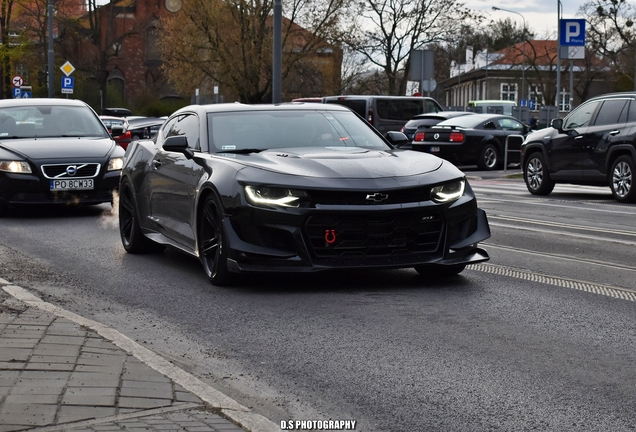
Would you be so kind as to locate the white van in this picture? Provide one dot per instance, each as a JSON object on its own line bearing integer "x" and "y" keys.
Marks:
{"x": 492, "y": 106}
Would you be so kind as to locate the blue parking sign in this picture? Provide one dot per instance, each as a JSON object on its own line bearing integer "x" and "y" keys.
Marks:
{"x": 572, "y": 32}
{"x": 16, "y": 92}
{"x": 67, "y": 84}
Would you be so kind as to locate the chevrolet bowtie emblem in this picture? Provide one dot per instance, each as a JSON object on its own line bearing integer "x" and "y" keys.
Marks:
{"x": 377, "y": 197}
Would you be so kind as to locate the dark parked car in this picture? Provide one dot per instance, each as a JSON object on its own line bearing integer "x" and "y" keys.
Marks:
{"x": 594, "y": 145}
{"x": 386, "y": 113}
{"x": 474, "y": 139}
{"x": 55, "y": 151}
{"x": 426, "y": 121}
{"x": 144, "y": 127}
{"x": 295, "y": 188}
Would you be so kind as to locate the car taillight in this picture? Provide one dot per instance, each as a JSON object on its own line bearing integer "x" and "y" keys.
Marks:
{"x": 370, "y": 117}
{"x": 419, "y": 136}
{"x": 456, "y": 137}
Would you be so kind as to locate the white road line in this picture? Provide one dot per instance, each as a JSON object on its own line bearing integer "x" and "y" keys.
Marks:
{"x": 563, "y": 225}
{"x": 613, "y": 266}
{"x": 564, "y": 233}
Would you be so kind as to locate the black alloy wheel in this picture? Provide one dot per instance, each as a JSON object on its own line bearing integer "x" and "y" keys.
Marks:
{"x": 129, "y": 230}
{"x": 622, "y": 179}
{"x": 211, "y": 243}
{"x": 489, "y": 158}
{"x": 439, "y": 271}
{"x": 536, "y": 175}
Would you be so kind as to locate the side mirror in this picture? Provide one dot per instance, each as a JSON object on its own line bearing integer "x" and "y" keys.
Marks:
{"x": 557, "y": 123}
{"x": 396, "y": 138}
{"x": 178, "y": 144}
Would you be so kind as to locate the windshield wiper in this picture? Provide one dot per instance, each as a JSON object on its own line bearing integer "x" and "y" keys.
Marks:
{"x": 242, "y": 151}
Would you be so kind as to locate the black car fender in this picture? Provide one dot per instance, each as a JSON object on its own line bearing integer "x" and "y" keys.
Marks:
{"x": 531, "y": 148}
{"x": 620, "y": 149}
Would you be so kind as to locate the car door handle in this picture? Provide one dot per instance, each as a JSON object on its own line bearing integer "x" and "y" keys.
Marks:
{"x": 578, "y": 137}
{"x": 616, "y": 132}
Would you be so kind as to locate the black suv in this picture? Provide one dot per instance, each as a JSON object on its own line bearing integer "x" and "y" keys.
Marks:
{"x": 594, "y": 145}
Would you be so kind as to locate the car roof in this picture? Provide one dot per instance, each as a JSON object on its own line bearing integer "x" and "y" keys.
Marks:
{"x": 287, "y": 106}
{"x": 442, "y": 114}
{"x": 375, "y": 97}
{"x": 40, "y": 102}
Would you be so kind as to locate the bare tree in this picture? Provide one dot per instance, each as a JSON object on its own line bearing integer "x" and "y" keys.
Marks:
{"x": 388, "y": 30}
{"x": 611, "y": 35}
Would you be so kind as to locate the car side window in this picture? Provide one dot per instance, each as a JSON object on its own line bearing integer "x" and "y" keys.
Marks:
{"x": 509, "y": 124}
{"x": 610, "y": 112}
{"x": 187, "y": 125}
{"x": 581, "y": 116}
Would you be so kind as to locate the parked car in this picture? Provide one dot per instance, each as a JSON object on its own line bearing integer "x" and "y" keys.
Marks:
{"x": 118, "y": 128}
{"x": 55, "y": 151}
{"x": 387, "y": 113}
{"x": 594, "y": 145}
{"x": 144, "y": 127}
{"x": 426, "y": 121}
{"x": 295, "y": 188}
{"x": 117, "y": 112}
{"x": 474, "y": 139}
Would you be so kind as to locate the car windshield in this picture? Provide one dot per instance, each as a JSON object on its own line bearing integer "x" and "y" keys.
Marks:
{"x": 262, "y": 130}
{"x": 467, "y": 121}
{"x": 50, "y": 121}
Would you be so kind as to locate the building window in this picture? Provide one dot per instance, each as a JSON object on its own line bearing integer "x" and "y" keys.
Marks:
{"x": 508, "y": 92}
{"x": 564, "y": 100}
{"x": 116, "y": 87}
{"x": 152, "y": 44}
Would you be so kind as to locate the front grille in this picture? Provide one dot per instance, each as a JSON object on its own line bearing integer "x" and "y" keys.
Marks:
{"x": 398, "y": 196}
{"x": 374, "y": 235}
{"x": 59, "y": 171}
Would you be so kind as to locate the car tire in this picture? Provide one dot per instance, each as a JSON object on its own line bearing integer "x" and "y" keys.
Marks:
{"x": 536, "y": 175}
{"x": 134, "y": 241}
{"x": 211, "y": 241}
{"x": 439, "y": 271}
{"x": 622, "y": 179}
{"x": 489, "y": 158}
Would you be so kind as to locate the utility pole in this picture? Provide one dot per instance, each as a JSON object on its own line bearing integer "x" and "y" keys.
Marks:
{"x": 51, "y": 63}
{"x": 277, "y": 59}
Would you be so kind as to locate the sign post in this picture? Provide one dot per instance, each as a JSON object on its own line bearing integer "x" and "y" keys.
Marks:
{"x": 68, "y": 82}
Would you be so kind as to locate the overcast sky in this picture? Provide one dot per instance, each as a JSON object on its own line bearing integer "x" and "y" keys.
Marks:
{"x": 540, "y": 15}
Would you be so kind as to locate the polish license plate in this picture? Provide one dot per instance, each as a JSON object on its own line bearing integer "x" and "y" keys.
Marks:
{"x": 65, "y": 185}
{"x": 434, "y": 149}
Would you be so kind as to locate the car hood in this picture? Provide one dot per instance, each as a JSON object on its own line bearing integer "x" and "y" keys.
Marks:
{"x": 341, "y": 162}
{"x": 540, "y": 134}
{"x": 59, "y": 148}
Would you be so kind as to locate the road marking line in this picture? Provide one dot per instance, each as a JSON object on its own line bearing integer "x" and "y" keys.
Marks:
{"x": 591, "y": 287}
{"x": 563, "y": 225}
{"x": 563, "y": 233}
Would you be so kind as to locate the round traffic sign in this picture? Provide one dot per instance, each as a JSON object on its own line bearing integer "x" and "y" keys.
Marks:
{"x": 17, "y": 81}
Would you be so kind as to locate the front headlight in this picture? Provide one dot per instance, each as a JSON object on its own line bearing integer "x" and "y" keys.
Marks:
{"x": 272, "y": 196}
{"x": 448, "y": 192}
{"x": 15, "y": 167}
{"x": 115, "y": 164}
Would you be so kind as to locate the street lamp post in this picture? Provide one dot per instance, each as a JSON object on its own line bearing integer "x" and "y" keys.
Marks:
{"x": 523, "y": 60}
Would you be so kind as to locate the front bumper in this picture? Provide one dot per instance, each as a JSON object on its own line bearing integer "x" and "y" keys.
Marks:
{"x": 17, "y": 189}
{"x": 262, "y": 240}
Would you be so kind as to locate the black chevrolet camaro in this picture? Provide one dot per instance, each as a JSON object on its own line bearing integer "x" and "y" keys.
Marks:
{"x": 55, "y": 151}
{"x": 295, "y": 188}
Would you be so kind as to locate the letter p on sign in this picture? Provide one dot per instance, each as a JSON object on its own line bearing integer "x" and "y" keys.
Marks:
{"x": 572, "y": 30}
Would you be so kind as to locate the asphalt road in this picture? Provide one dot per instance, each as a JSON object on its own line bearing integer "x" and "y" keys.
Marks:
{"x": 539, "y": 338}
